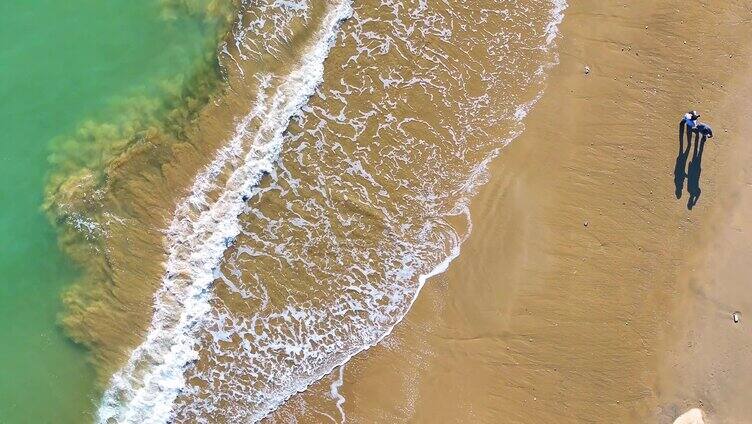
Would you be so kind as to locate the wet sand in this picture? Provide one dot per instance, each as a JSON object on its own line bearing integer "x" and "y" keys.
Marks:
{"x": 587, "y": 291}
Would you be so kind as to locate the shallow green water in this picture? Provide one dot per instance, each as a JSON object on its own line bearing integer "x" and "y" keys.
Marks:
{"x": 63, "y": 62}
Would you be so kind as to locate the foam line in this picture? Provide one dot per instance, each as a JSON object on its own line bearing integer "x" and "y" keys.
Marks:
{"x": 334, "y": 389}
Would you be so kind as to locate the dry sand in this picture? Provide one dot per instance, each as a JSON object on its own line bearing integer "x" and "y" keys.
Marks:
{"x": 588, "y": 292}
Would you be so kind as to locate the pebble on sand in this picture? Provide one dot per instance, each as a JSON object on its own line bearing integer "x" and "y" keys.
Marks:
{"x": 587, "y": 70}
{"x": 736, "y": 316}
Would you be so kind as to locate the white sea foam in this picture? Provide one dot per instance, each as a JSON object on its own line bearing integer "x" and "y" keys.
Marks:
{"x": 145, "y": 389}
{"x": 557, "y": 15}
{"x": 334, "y": 390}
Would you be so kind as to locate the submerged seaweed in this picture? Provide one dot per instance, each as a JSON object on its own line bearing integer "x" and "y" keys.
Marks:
{"x": 140, "y": 134}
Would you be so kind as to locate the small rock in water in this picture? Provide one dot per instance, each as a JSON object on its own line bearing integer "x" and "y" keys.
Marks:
{"x": 736, "y": 316}
{"x": 587, "y": 70}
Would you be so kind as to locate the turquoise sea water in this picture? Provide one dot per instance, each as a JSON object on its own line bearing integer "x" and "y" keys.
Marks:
{"x": 61, "y": 63}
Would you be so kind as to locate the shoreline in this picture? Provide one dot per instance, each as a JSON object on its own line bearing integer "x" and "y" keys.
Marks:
{"x": 184, "y": 295}
{"x": 113, "y": 219}
{"x": 101, "y": 196}
{"x": 558, "y": 308}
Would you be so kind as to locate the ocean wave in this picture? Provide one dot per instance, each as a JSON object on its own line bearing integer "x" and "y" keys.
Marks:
{"x": 145, "y": 389}
{"x": 274, "y": 282}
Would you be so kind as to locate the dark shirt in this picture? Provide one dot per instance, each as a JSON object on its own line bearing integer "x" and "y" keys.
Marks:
{"x": 704, "y": 129}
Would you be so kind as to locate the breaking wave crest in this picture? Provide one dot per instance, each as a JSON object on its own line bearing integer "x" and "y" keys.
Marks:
{"x": 145, "y": 389}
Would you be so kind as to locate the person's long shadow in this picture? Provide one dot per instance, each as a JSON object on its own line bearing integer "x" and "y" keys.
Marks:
{"x": 693, "y": 173}
{"x": 681, "y": 160}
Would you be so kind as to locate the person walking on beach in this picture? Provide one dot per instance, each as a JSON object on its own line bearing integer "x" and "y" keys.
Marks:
{"x": 701, "y": 132}
{"x": 686, "y": 127}
{"x": 690, "y": 119}
{"x": 704, "y": 130}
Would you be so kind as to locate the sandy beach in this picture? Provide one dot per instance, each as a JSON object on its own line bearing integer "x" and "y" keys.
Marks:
{"x": 588, "y": 292}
